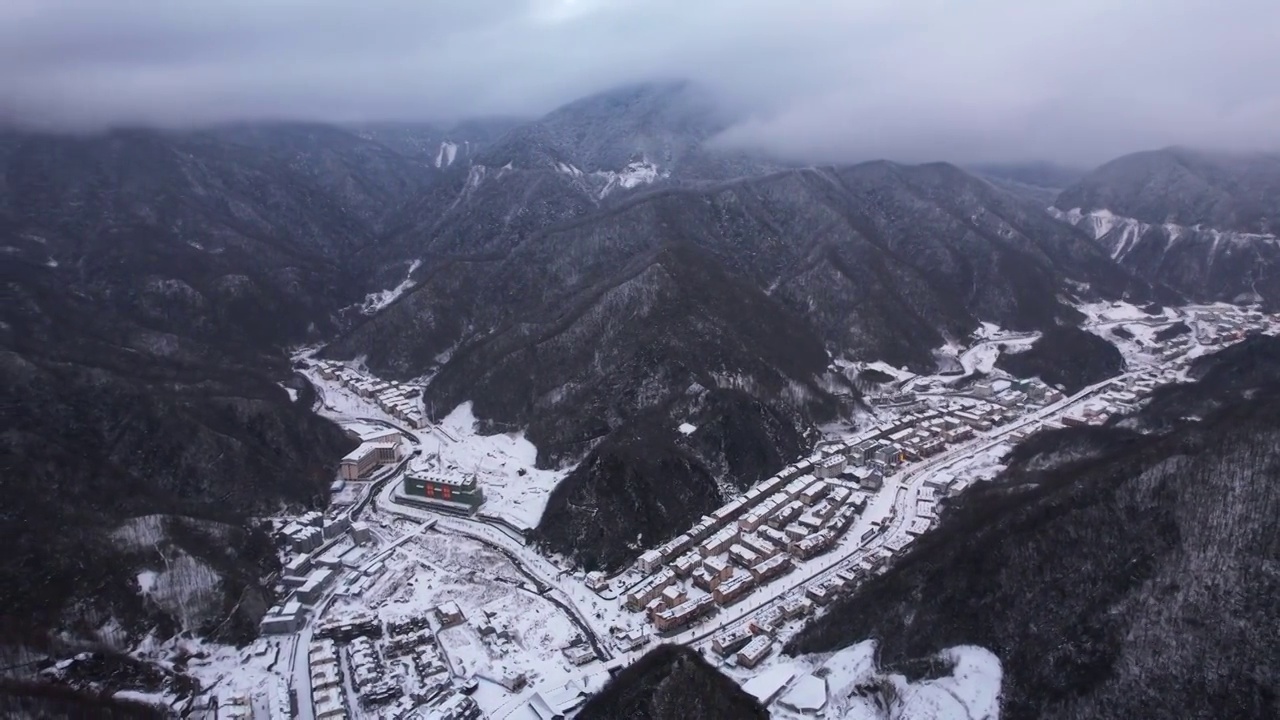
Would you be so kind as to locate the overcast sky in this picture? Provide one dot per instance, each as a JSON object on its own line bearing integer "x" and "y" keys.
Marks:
{"x": 960, "y": 80}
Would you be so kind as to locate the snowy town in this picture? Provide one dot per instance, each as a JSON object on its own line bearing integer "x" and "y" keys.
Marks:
{"x": 416, "y": 595}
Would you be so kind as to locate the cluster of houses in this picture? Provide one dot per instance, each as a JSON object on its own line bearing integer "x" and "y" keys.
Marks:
{"x": 329, "y": 546}
{"x": 848, "y": 575}
{"x": 368, "y": 673}
{"x": 309, "y": 531}
{"x": 370, "y": 650}
{"x": 744, "y": 545}
{"x": 794, "y": 516}
{"x": 413, "y": 638}
{"x": 749, "y": 643}
{"x": 399, "y": 400}
{"x": 328, "y": 694}
{"x": 1231, "y": 324}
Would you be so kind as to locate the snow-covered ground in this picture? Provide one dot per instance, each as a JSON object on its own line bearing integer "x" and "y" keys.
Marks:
{"x": 1118, "y": 311}
{"x": 373, "y": 302}
{"x": 446, "y": 154}
{"x": 468, "y": 561}
{"x": 505, "y": 465}
{"x": 435, "y": 568}
{"x": 831, "y": 683}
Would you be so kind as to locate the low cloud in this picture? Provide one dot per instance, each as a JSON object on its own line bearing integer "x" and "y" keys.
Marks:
{"x": 824, "y": 80}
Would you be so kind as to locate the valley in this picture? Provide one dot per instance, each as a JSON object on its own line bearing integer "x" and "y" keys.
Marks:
{"x": 591, "y": 413}
{"x": 448, "y": 603}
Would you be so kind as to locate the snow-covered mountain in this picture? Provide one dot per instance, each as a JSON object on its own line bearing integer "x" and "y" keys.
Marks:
{"x": 1228, "y": 192}
{"x": 1203, "y": 224}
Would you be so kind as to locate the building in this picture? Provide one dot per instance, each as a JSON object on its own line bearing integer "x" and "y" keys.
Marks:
{"x": 303, "y": 537}
{"x": 445, "y": 488}
{"x": 775, "y": 566}
{"x": 887, "y": 454}
{"x": 719, "y": 542}
{"x": 734, "y": 589}
{"x": 328, "y": 704}
{"x": 778, "y": 538}
{"x": 579, "y": 654}
{"x": 815, "y": 544}
{"x": 796, "y": 532}
{"x": 930, "y": 446}
{"x": 758, "y": 545}
{"x": 449, "y": 614}
{"x": 744, "y": 556}
{"x": 673, "y": 595}
{"x": 687, "y": 563}
{"x": 360, "y": 462}
{"x": 298, "y": 567}
{"x": 789, "y": 512}
{"x": 313, "y": 589}
{"x": 767, "y": 621}
{"x": 830, "y": 467}
{"x": 649, "y": 590}
{"x": 632, "y": 640}
{"x": 283, "y": 619}
{"x": 719, "y": 568}
{"x": 704, "y": 579}
{"x": 457, "y": 707}
{"x": 649, "y": 561}
{"x": 820, "y": 593}
{"x": 683, "y": 614}
{"x": 754, "y": 519}
{"x": 797, "y": 607}
{"x": 755, "y": 651}
{"x": 815, "y": 492}
{"x": 731, "y": 640}
{"x": 335, "y": 526}
{"x": 360, "y": 533}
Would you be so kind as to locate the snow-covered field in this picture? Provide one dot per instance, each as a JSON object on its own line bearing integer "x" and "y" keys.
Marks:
{"x": 438, "y": 567}
{"x": 830, "y": 683}
{"x": 505, "y": 464}
{"x": 1118, "y": 311}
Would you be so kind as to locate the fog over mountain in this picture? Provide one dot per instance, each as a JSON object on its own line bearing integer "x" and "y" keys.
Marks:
{"x": 990, "y": 80}
{"x": 634, "y": 359}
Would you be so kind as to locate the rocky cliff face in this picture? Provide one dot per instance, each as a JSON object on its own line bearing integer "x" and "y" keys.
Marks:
{"x": 1113, "y": 573}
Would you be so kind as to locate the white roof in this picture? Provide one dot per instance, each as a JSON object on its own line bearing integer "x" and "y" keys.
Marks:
{"x": 359, "y": 453}
{"x": 767, "y": 684}
{"x": 807, "y": 695}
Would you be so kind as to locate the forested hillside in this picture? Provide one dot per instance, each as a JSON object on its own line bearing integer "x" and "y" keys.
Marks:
{"x": 1114, "y": 574}
{"x": 671, "y": 682}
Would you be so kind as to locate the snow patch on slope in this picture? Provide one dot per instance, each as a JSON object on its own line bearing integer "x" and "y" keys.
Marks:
{"x": 640, "y": 172}
{"x": 1120, "y": 235}
{"x": 446, "y": 154}
{"x": 566, "y": 169}
{"x": 373, "y": 302}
